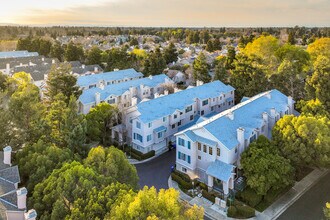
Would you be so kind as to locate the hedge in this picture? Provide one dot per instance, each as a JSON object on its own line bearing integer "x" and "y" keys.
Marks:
{"x": 183, "y": 176}
{"x": 184, "y": 184}
{"x": 208, "y": 196}
{"x": 250, "y": 197}
{"x": 245, "y": 211}
{"x": 135, "y": 153}
{"x": 232, "y": 212}
{"x": 203, "y": 186}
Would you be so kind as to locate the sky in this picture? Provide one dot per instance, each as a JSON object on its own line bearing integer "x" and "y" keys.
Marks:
{"x": 167, "y": 13}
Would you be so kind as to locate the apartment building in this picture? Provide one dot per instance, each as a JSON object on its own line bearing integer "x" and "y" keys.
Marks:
{"x": 211, "y": 149}
{"x": 153, "y": 123}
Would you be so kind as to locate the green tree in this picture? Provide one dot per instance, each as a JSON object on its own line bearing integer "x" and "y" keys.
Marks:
{"x": 100, "y": 120}
{"x": 94, "y": 56}
{"x": 134, "y": 42}
{"x": 304, "y": 140}
{"x": 171, "y": 53}
{"x": 326, "y": 211}
{"x": 74, "y": 52}
{"x": 247, "y": 77}
{"x": 231, "y": 56}
{"x": 209, "y": 46}
{"x": 57, "y": 51}
{"x": 318, "y": 85}
{"x": 112, "y": 163}
{"x": 155, "y": 63}
{"x": 61, "y": 81}
{"x": 54, "y": 197}
{"x": 319, "y": 47}
{"x": 38, "y": 160}
{"x": 220, "y": 70}
{"x": 148, "y": 204}
{"x": 291, "y": 39}
{"x": 201, "y": 69}
{"x": 312, "y": 107}
{"x": 264, "y": 168}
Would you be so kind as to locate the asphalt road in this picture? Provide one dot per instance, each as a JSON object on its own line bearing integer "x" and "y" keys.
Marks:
{"x": 310, "y": 205}
{"x": 156, "y": 172}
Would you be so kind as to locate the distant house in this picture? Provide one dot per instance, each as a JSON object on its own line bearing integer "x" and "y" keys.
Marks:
{"x": 107, "y": 78}
{"x": 211, "y": 149}
{"x": 12, "y": 198}
{"x": 18, "y": 54}
{"x": 176, "y": 76}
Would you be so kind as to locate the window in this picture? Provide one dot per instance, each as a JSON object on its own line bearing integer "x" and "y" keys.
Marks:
{"x": 202, "y": 112}
{"x": 138, "y": 125}
{"x": 188, "y": 144}
{"x": 160, "y": 134}
{"x": 131, "y": 121}
{"x": 253, "y": 138}
{"x": 218, "y": 152}
{"x": 189, "y": 108}
{"x": 184, "y": 170}
{"x": 210, "y": 150}
{"x": 179, "y": 123}
{"x": 199, "y": 157}
{"x": 188, "y": 159}
{"x": 204, "y": 148}
{"x": 149, "y": 124}
{"x": 224, "y": 95}
{"x": 213, "y": 99}
{"x": 175, "y": 116}
{"x": 199, "y": 145}
{"x": 205, "y": 102}
{"x": 235, "y": 149}
{"x": 220, "y": 97}
{"x": 149, "y": 137}
{"x": 191, "y": 117}
{"x": 263, "y": 128}
{"x": 111, "y": 101}
{"x": 212, "y": 108}
{"x": 181, "y": 141}
{"x": 184, "y": 157}
{"x": 173, "y": 126}
{"x": 138, "y": 137}
{"x": 164, "y": 119}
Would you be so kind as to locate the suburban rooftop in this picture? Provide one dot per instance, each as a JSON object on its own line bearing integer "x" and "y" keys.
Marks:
{"x": 17, "y": 54}
{"x": 247, "y": 114}
{"x": 166, "y": 105}
{"x": 107, "y": 76}
{"x": 88, "y": 96}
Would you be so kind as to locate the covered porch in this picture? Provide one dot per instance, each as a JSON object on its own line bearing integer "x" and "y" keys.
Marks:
{"x": 220, "y": 177}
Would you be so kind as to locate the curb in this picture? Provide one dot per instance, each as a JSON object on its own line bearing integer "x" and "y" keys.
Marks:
{"x": 299, "y": 194}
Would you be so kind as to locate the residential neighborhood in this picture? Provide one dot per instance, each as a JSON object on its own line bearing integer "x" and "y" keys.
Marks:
{"x": 147, "y": 110}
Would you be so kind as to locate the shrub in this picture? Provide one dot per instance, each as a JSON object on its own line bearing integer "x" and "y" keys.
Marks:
{"x": 271, "y": 195}
{"x": 232, "y": 212}
{"x": 208, "y": 196}
{"x": 183, "y": 176}
{"x": 203, "y": 186}
{"x": 245, "y": 211}
{"x": 250, "y": 197}
{"x": 185, "y": 185}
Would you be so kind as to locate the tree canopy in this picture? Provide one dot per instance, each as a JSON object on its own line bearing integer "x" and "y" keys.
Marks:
{"x": 201, "y": 69}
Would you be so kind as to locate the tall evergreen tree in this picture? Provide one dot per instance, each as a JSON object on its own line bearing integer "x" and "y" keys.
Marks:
{"x": 171, "y": 53}
{"x": 201, "y": 69}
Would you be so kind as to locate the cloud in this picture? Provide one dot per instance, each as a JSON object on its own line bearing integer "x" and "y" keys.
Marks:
{"x": 216, "y": 13}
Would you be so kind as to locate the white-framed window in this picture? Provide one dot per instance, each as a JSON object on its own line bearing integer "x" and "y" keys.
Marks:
{"x": 218, "y": 152}
{"x": 184, "y": 169}
{"x": 189, "y": 108}
{"x": 160, "y": 134}
{"x": 181, "y": 141}
{"x": 191, "y": 117}
{"x": 205, "y": 102}
{"x": 175, "y": 116}
{"x": 138, "y": 137}
{"x": 164, "y": 119}
{"x": 149, "y": 124}
{"x": 149, "y": 137}
{"x": 199, "y": 157}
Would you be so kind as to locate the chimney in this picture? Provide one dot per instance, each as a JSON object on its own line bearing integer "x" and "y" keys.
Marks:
{"x": 176, "y": 90}
{"x": 273, "y": 112}
{"x": 268, "y": 95}
{"x": 83, "y": 66}
{"x": 290, "y": 104}
{"x": 21, "y": 198}
{"x": 96, "y": 69}
{"x": 30, "y": 63}
{"x": 265, "y": 118}
{"x": 131, "y": 90}
{"x": 115, "y": 69}
{"x": 240, "y": 138}
{"x": 97, "y": 98}
{"x": 42, "y": 59}
{"x": 199, "y": 83}
{"x": 21, "y": 64}
{"x": 165, "y": 92}
{"x": 8, "y": 68}
{"x": 30, "y": 215}
{"x": 101, "y": 85}
{"x": 156, "y": 95}
{"x": 134, "y": 101}
{"x": 7, "y": 155}
{"x": 230, "y": 115}
{"x": 53, "y": 61}
{"x": 150, "y": 77}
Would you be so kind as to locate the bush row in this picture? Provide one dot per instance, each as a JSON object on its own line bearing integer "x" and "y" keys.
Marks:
{"x": 184, "y": 184}
{"x": 240, "y": 211}
{"x": 135, "y": 153}
{"x": 208, "y": 196}
{"x": 250, "y": 197}
{"x": 183, "y": 176}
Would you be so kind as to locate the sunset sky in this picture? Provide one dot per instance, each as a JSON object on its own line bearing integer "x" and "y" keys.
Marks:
{"x": 189, "y": 13}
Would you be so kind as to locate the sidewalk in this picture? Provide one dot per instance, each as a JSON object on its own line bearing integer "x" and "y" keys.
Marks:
{"x": 272, "y": 212}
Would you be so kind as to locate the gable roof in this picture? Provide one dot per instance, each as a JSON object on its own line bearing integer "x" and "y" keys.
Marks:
{"x": 220, "y": 170}
{"x": 107, "y": 76}
{"x": 15, "y": 54}
{"x": 88, "y": 96}
{"x": 167, "y": 105}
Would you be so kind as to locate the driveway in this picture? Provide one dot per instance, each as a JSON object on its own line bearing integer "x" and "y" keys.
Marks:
{"x": 311, "y": 204}
{"x": 156, "y": 172}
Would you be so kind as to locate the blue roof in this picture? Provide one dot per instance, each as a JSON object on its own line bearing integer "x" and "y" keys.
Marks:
{"x": 159, "y": 129}
{"x": 88, "y": 96}
{"x": 107, "y": 76}
{"x": 194, "y": 137}
{"x": 220, "y": 170}
{"x": 244, "y": 99}
{"x": 166, "y": 105}
{"x": 248, "y": 116}
{"x": 18, "y": 54}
